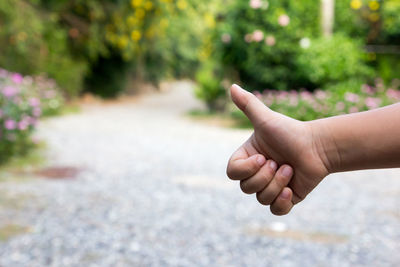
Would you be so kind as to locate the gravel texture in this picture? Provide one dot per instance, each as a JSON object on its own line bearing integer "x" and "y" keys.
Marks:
{"x": 152, "y": 191}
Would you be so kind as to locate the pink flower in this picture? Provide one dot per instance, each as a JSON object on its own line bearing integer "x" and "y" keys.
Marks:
{"x": 270, "y": 40}
{"x": 9, "y": 91}
{"x": 10, "y": 124}
{"x": 17, "y": 78}
{"x": 367, "y": 89}
{"x": 248, "y": 38}
{"x": 372, "y": 102}
{"x": 293, "y": 100}
{"x": 393, "y": 94}
{"x": 320, "y": 94}
{"x": 305, "y": 95}
{"x": 50, "y": 94}
{"x": 226, "y": 38}
{"x": 353, "y": 110}
{"x": 317, "y": 107}
{"x": 283, "y": 20}
{"x": 258, "y": 36}
{"x": 255, "y": 4}
{"x": 37, "y": 112}
{"x": 340, "y": 106}
{"x": 34, "y": 102}
{"x": 354, "y": 98}
{"x": 23, "y": 125}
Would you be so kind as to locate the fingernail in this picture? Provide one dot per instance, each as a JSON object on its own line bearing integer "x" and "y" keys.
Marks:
{"x": 285, "y": 194}
{"x": 273, "y": 165}
{"x": 260, "y": 160}
{"x": 287, "y": 171}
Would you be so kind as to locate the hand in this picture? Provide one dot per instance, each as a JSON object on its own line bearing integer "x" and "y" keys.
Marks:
{"x": 291, "y": 144}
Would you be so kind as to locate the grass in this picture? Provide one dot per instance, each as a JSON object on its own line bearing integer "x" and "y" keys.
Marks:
{"x": 19, "y": 165}
{"x": 225, "y": 119}
{"x": 70, "y": 108}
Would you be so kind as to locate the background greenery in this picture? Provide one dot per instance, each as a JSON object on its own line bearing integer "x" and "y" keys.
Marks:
{"x": 274, "y": 48}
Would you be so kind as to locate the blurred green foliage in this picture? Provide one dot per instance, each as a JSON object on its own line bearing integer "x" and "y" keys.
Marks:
{"x": 33, "y": 42}
{"x": 265, "y": 41}
{"x": 23, "y": 100}
{"x": 279, "y": 44}
{"x": 210, "y": 89}
{"x": 99, "y": 44}
{"x": 332, "y": 60}
{"x": 72, "y": 40}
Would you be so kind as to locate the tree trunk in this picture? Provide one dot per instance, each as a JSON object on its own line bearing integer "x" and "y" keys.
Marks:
{"x": 327, "y": 17}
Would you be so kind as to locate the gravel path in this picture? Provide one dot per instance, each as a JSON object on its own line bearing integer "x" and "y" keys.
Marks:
{"x": 153, "y": 192}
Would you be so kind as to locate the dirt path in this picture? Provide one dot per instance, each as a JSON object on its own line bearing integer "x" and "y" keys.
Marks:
{"x": 151, "y": 190}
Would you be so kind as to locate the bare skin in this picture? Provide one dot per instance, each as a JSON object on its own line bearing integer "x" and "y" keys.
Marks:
{"x": 285, "y": 159}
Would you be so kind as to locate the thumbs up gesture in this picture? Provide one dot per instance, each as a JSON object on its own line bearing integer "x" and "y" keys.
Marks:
{"x": 283, "y": 159}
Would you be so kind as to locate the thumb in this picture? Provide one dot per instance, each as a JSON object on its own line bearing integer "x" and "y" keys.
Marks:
{"x": 254, "y": 109}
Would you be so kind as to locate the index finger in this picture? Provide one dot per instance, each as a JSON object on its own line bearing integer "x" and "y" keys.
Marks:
{"x": 242, "y": 166}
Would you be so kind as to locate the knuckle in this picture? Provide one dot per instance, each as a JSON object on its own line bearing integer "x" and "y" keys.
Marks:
{"x": 268, "y": 175}
{"x": 281, "y": 181}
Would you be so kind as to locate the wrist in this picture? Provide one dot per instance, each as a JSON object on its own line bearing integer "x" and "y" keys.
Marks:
{"x": 325, "y": 145}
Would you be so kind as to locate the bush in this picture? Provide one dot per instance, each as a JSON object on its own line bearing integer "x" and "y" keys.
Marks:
{"x": 331, "y": 60}
{"x": 32, "y": 42}
{"x": 23, "y": 100}
{"x": 261, "y": 40}
{"x": 210, "y": 87}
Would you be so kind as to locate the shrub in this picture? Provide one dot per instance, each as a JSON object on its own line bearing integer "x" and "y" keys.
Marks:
{"x": 331, "y": 60}
{"x": 261, "y": 40}
{"x": 23, "y": 100}
{"x": 32, "y": 42}
{"x": 210, "y": 87}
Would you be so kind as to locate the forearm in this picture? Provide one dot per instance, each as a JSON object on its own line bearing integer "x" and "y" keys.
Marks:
{"x": 366, "y": 140}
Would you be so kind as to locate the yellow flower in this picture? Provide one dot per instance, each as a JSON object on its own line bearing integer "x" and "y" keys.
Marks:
{"x": 136, "y": 35}
{"x": 148, "y": 5}
{"x": 355, "y": 4}
{"x": 140, "y": 13}
{"x": 374, "y": 17}
{"x": 373, "y": 5}
{"x": 210, "y": 21}
{"x": 203, "y": 55}
{"x": 132, "y": 21}
{"x": 150, "y": 33}
{"x": 164, "y": 23}
{"x": 136, "y": 3}
{"x": 182, "y": 4}
{"x": 122, "y": 42}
